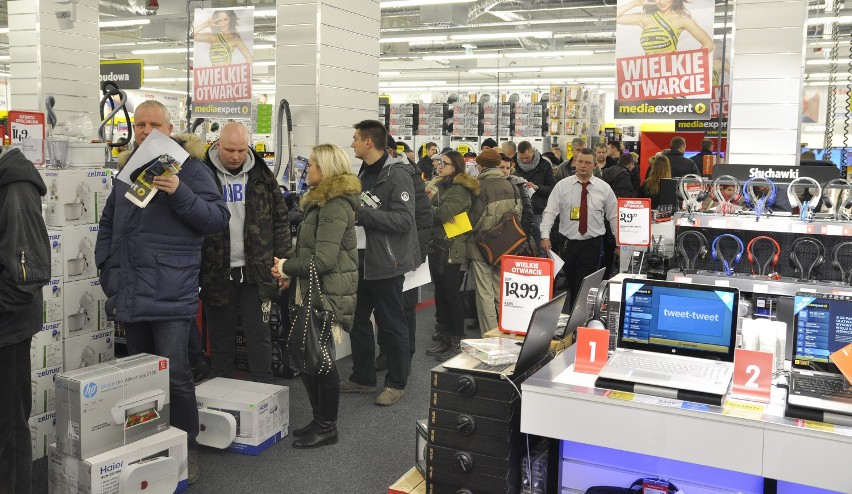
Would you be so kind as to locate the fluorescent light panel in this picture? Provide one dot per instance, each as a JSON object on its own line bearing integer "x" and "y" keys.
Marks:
{"x": 169, "y": 91}
{"x": 265, "y": 13}
{"x": 4, "y": 30}
{"x": 124, "y": 23}
{"x": 580, "y": 68}
{"x": 540, "y": 54}
{"x": 843, "y": 19}
{"x": 510, "y": 34}
{"x": 413, "y": 39}
{"x": 388, "y": 73}
{"x": 165, "y": 79}
{"x": 5, "y": 57}
{"x": 504, "y": 70}
{"x": 416, "y": 3}
{"x": 155, "y": 51}
{"x": 809, "y": 62}
{"x": 465, "y": 56}
{"x": 411, "y": 83}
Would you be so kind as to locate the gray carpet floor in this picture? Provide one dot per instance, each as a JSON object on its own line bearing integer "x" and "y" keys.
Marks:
{"x": 376, "y": 444}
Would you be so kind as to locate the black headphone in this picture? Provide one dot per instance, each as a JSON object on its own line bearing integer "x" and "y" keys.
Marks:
{"x": 601, "y": 299}
{"x": 837, "y": 183}
{"x": 797, "y": 264}
{"x": 680, "y": 243}
{"x": 838, "y": 265}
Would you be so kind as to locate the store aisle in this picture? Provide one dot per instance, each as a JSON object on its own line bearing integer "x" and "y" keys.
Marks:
{"x": 376, "y": 444}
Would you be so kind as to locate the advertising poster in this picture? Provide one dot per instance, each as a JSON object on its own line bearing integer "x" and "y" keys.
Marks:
{"x": 664, "y": 59}
{"x": 224, "y": 43}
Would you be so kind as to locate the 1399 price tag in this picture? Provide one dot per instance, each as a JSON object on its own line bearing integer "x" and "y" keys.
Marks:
{"x": 526, "y": 283}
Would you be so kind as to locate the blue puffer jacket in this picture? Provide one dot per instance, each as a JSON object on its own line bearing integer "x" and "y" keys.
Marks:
{"x": 150, "y": 257}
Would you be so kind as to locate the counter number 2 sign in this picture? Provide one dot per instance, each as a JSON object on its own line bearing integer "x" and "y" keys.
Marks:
{"x": 752, "y": 375}
{"x": 634, "y": 222}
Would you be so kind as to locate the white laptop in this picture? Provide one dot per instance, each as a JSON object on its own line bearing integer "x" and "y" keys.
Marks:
{"x": 673, "y": 335}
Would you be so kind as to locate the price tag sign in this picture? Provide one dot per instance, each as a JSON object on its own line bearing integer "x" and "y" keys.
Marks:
{"x": 526, "y": 283}
{"x": 634, "y": 222}
{"x": 27, "y": 132}
{"x": 752, "y": 375}
{"x": 592, "y": 350}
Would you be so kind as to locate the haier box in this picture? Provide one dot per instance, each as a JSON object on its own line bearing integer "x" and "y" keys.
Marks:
{"x": 156, "y": 464}
{"x": 43, "y": 390}
{"x": 78, "y": 252}
{"x": 109, "y": 405}
{"x": 52, "y": 304}
{"x": 261, "y": 412}
{"x": 89, "y": 349}
{"x": 46, "y": 346}
{"x": 83, "y": 307}
{"x": 75, "y": 197}
{"x": 42, "y": 433}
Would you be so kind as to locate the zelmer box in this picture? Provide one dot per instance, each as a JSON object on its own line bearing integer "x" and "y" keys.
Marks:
{"x": 75, "y": 197}
{"x": 46, "y": 346}
{"x": 78, "y": 252}
{"x": 54, "y": 235}
{"x": 109, "y": 405}
{"x": 155, "y": 464}
{"x": 43, "y": 389}
{"x": 42, "y": 433}
{"x": 83, "y": 307}
{"x": 89, "y": 349}
{"x": 52, "y": 304}
{"x": 260, "y": 412}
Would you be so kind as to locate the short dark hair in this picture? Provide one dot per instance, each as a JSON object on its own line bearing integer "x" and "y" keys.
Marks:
{"x": 677, "y": 143}
{"x": 617, "y": 145}
{"x": 626, "y": 159}
{"x": 373, "y": 130}
{"x": 457, "y": 160}
{"x": 524, "y": 146}
{"x": 600, "y": 145}
{"x": 587, "y": 151}
{"x": 706, "y": 144}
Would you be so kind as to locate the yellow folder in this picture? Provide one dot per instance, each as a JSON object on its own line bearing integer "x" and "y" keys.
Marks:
{"x": 461, "y": 225}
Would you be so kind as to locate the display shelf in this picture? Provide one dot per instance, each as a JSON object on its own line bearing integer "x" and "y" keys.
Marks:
{"x": 777, "y": 224}
{"x": 759, "y": 284}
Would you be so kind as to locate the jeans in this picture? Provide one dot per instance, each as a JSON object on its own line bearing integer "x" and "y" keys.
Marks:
{"x": 446, "y": 279}
{"x": 222, "y": 326}
{"x": 16, "y": 461}
{"x": 170, "y": 339}
{"x": 384, "y": 298}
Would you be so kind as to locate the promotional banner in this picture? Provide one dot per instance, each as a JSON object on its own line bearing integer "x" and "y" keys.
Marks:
{"x": 664, "y": 59}
{"x": 224, "y": 42}
{"x": 126, "y": 74}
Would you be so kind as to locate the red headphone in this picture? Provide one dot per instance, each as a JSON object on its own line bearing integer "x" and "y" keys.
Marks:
{"x": 773, "y": 260}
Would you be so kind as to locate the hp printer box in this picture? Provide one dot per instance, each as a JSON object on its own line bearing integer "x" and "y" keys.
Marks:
{"x": 42, "y": 433}
{"x": 46, "y": 346}
{"x": 109, "y": 405}
{"x": 156, "y": 464}
{"x": 43, "y": 389}
{"x": 89, "y": 349}
{"x": 261, "y": 411}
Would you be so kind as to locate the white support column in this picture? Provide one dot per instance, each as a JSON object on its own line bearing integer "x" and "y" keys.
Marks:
{"x": 49, "y": 60}
{"x": 766, "y": 86}
{"x": 327, "y": 68}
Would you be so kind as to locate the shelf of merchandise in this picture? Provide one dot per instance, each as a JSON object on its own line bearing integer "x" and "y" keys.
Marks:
{"x": 767, "y": 224}
{"x": 760, "y": 284}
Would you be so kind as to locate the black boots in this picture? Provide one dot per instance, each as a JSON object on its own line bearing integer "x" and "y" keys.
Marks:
{"x": 324, "y": 433}
{"x": 304, "y": 431}
{"x": 441, "y": 346}
{"x": 453, "y": 349}
{"x": 324, "y": 395}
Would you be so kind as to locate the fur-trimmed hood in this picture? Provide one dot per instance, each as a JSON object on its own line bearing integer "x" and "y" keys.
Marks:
{"x": 190, "y": 142}
{"x": 467, "y": 181}
{"x": 330, "y": 188}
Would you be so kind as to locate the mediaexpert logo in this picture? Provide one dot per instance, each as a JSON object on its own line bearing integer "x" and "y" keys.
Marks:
{"x": 90, "y": 390}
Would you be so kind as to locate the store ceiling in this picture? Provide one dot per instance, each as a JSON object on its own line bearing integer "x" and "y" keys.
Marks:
{"x": 525, "y": 36}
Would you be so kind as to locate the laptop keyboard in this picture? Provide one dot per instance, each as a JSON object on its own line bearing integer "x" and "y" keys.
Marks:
{"x": 492, "y": 368}
{"x": 824, "y": 387}
{"x": 667, "y": 366}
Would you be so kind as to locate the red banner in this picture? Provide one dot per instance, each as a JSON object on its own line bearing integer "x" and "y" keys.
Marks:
{"x": 664, "y": 75}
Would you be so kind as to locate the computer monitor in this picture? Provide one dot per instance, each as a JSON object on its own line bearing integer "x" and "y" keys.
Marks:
{"x": 823, "y": 326}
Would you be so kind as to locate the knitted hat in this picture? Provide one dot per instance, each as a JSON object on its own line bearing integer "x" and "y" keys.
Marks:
{"x": 489, "y": 142}
{"x": 490, "y": 158}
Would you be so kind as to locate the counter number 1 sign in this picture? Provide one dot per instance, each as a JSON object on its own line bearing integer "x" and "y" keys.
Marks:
{"x": 634, "y": 222}
{"x": 27, "y": 131}
{"x": 526, "y": 283}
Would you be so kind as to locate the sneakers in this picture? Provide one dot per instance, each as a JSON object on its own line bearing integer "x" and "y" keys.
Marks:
{"x": 348, "y": 386}
{"x": 192, "y": 466}
{"x": 389, "y": 396}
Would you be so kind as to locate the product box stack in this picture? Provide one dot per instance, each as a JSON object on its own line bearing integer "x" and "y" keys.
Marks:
{"x": 528, "y": 120}
{"x": 112, "y": 430}
{"x": 402, "y": 119}
{"x": 569, "y": 112}
{"x": 384, "y": 113}
{"x": 466, "y": 119}
{"x": 430, "y": 119}
{"x": 496, "y": 116}
{"x": 75, "y": 332}
{"x": 597, "y": 109}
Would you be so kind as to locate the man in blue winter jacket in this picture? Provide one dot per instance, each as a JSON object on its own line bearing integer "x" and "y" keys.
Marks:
{"x": 150, "y": 260}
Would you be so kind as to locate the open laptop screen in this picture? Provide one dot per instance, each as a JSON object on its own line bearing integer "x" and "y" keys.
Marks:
{"x": 823, "y": 326}
{"x": 579, "y": 314}
{"x": 679, "y": 318}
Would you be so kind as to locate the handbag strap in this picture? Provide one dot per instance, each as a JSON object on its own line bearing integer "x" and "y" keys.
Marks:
{"x": 515, "y": 198}
{"x": 314, "y": 285}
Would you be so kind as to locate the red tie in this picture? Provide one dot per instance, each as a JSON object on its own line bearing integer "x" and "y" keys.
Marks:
{"x": 584, "y": 209}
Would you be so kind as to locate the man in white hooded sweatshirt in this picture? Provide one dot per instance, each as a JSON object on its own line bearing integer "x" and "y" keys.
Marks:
{"x": 235, "y": 275}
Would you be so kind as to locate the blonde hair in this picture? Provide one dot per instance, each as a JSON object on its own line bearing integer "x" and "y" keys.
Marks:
{"x": 331, "y": 160}
{"x": 152, "y": 103}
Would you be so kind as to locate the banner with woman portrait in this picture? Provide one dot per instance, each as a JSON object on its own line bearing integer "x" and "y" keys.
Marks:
{"x": 222, "y": 61}
{"x": 664, "y": 59}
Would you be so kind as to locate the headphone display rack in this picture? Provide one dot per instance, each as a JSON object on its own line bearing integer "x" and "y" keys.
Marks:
{"x": 756, "y": 284}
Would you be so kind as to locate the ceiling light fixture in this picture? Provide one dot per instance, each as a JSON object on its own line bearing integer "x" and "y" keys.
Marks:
{"x": 263, "y": 47}
{"x": 411, "y": 83}
{"x": 844, "y": 19}
{"x": 511, "y": 34}
{"x": 155, "y": 51}
{"x": 4, "y": 30}
{"x": 125, "y": 23}
{"x": 263, "y": 63}
{"x": 147, "y": 67}
{"x": 169, "y": 91}
{"x": 265, "y": 13}
{"x": 413, "y": 39}
{"x": 505, "y": 70}
{"x": 558, "y": 53}
{"x": 5, "y": 57}
{"x": 395, "y": 4}
{"x": 165, "y": 79}
{"x": 828, "y": 62}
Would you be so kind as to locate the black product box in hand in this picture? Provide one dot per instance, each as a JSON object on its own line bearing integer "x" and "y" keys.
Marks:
{"x": 466, "y": 469}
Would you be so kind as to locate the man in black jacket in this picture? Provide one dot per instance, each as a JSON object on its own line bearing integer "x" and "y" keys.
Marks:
{"x": 24, "y": 269}
{"x": 706, "y": 150}
{"x": 680, "y": 164}
{"x": 538, "y": 173}
{"x": 619, "y": 176}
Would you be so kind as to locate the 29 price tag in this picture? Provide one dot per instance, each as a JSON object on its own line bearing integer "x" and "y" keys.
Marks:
{"x": 752, "y": 375}
{"x": 526, "y": 283}
{"x": 634, "y": 222}
{"x": 592, "y": 350}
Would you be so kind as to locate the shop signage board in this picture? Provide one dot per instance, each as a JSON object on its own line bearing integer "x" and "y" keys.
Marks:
{"x": 26, "y": 129}
{"x": 634, "y": 222}
{"x": 126, "y": 74}
{"x": 592, "y": 350}
{"x": 778, "y": 174}
{"x": 752, "y": 375}
{"x": 663, "y": 58}
{"x": 525, "y": 283}
{"x": 222, "y": 62}
{"x": 263, "y": 122}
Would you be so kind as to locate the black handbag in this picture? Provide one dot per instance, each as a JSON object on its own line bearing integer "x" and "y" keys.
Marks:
{"x": 503, "y": 239}
{"x": 310, "y": 339}
{"x": 468, "y": 298}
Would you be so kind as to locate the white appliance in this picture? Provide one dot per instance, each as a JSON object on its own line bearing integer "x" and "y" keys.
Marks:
{"x": 158, "y": 475}
{"x": 216, "y": 429}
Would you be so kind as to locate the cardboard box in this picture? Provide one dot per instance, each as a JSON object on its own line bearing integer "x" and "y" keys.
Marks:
{"x": 109, "y": 405}
{"x": 52, "y": 304}
{"x": 83, "y": 303}
{"x": 46, "y": 346}
{"x": 43, "y": 390}
{"x": 75, "y": 196}
{"x": 261, "y": 411}
{"x": 78, "y": 252}
{"x": 56, "y": 259}
{"x": 42, "y": 433}
{"x": 156, "y": 463}
{"x": 408, "y": 483}
{"x": 89, "y": 349}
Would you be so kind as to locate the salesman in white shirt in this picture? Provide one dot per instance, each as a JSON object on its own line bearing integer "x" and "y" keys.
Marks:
{"x": 583, "y": 202}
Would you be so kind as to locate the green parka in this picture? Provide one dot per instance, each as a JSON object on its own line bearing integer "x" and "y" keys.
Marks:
{"x": 327, "y": 235}
{"x": 453, "y": 196}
